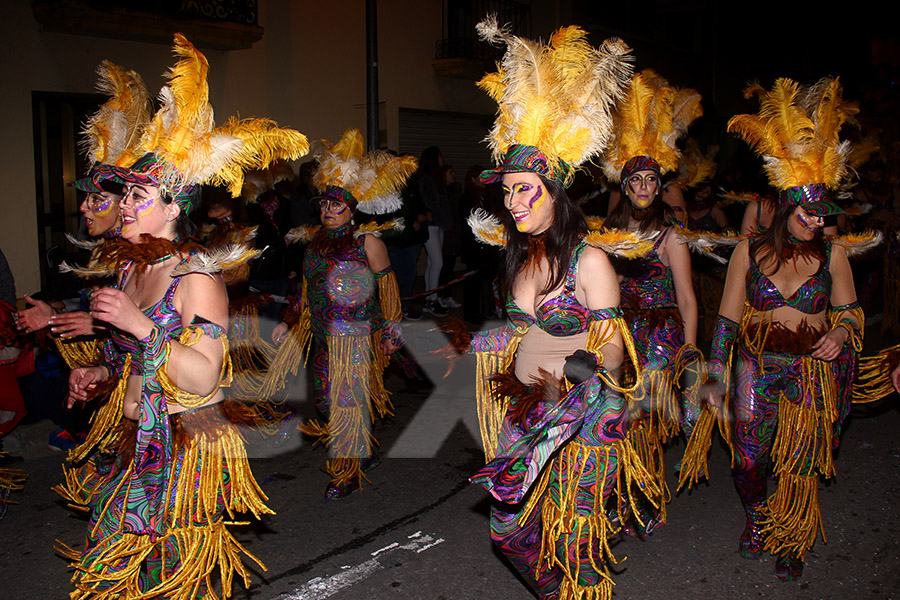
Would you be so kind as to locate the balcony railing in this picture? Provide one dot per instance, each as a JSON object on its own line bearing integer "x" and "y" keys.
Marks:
{"x": 214, "y": 24}
{"x": 460, "y": 52}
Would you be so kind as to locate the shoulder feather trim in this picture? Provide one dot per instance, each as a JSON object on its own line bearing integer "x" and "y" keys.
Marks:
{"x": 627, "y": 244}
{"x": 217, "y": 261}
{"x": 856, "y": 244}
{"x": 302, "y": 234}
{"x": 487, "y": 228}
{"x": 705, "y": 242}
{"x": 377, "y": 229}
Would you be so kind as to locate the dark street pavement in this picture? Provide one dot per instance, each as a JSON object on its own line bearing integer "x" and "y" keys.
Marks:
{"x": 420, "y": 531}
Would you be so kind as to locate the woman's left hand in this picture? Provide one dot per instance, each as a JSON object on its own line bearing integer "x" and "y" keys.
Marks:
{"x": 389, "y": 347}
{"x": 119, "y": 310}
{"x": 72, "y": 324}
{"x": 829, "y": 345}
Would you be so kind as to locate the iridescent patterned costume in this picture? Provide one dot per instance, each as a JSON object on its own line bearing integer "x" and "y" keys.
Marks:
{"x": 345, "y": 310}
{"x": 651, "y": 310}
{"x": 159, "y": 497}
{"x": 788, "y": 407}
{"x": 559, "y": 463}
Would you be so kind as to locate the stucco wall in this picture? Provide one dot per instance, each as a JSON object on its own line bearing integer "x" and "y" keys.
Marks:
{"x": 307, "y": 72}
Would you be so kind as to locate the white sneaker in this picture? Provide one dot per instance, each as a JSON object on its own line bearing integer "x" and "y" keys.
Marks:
{"x": 449, "y": 302}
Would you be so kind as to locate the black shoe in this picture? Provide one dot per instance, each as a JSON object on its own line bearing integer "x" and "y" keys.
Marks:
{"x": 367, "y": 464}
{"x": 412, "y": 314}
{"x": 433, "y": 308}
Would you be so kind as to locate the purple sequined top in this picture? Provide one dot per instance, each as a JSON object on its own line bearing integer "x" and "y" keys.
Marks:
{"x": 810, "y": 298}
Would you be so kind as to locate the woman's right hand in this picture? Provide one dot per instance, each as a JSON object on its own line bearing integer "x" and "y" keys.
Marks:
{"x": 34, "y": 318}
{"x": 82, "y": 382}
{"x": 279, "y": 334}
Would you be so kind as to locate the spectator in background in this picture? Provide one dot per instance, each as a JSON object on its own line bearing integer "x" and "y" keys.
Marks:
{"x": 433, "y": 192}
{"x": 478, "y": 290}
{"x": 451, "y": 247}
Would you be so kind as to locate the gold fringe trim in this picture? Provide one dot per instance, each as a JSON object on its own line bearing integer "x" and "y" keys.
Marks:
{"x": 201, "y": 551}
{"x": 562, "y": 517}
{"x": 491, "y": 409}
{"x": 81, "y": 484}
{"x": 803, "y": 430}
{"x": 389, "y": 296}
{"x": 792, "y": 518}
{"x": 105, "y": 421}
{"x": 658, "y": 391}
{"x": 874, "y": 380}
{"x": 188, "y": 338}
{"x": 250, "y": 355}
{"x": 80, "y": 353}
{"x": 649, "y": 450}
{"x": 291, "y": 353}
{"x": 695, "y": 463}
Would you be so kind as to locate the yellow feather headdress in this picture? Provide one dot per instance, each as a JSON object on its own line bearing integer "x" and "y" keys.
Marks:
{"x": 188, "y": 149}
{"x": 796, "y": 132}
{"x": 371, "y": 181}
{"x": 555, "y": 100}
{"x": 112, "y": 134}
{"x": 649, "y": 122}
{"x": 695, "y": 167}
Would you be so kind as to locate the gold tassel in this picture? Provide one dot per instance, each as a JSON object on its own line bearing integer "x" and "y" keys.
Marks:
{"x": 792, "y": 517}
{"x": 563, "y": 517}
{"x": 491, "y": 410}
{"x": 188, "y": 338}
{"x": 291, "y": 353}
{"x": 805, "y": 431}
{"x": 80, "y": 353}
{"x": 389, "y": 296}
{"x": 694, "y": 464}
{"x": 105, "y": 422}
{"x": 649, "y": 451}
{"x": 874, "y": 380}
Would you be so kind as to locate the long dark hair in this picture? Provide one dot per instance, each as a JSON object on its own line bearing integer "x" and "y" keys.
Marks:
{"x": 560, "y": 239}
{"x": 655, "y": 217}
{"x": 184, "y": 226}
{"x": 774, "y": 247}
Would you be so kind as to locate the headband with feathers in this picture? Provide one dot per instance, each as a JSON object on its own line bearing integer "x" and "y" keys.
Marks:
{"x": 649, "y": 122}
{"x": 555, "y": 101}
{"x": 187, "y": 148}
{"x": 373, "y": 180}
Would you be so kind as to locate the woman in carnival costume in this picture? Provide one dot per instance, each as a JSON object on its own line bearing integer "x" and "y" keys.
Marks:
{"x": 159, "y": 502}
{"x": 348, "y": 308}
{"x": 657, "y": 289}
{"x": 550, "y": 399}
{"x": 111, "y": 136}
{"x": 789, "y": 327}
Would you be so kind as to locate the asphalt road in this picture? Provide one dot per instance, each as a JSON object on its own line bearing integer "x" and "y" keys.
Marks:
{"x": 420, "y": 531}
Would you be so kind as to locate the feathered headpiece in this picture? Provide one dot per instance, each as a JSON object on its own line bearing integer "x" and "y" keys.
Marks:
{"x": 555, "y": 100}
{"x": 371, "y": 181}
{"x": 797, "y": 134}
{"x": 695, "y": 167}
{"x": 183, "y": 148}
{"x": 647, "y": 125}
{"x": 113, "y": 133}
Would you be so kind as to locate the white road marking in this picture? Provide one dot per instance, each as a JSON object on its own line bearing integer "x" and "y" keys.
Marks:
{"x": 320, "y": 588}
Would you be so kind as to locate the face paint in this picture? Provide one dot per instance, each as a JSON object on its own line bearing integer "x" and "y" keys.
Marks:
{"x": 526, "y": 201}
{"x": 642, "y": 189}
{"x": 103, "y": 208}
{"x": 806, "y": 225}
